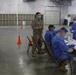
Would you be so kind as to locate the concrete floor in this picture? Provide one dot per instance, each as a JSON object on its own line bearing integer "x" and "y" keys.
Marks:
{"x": 14, "y": 59}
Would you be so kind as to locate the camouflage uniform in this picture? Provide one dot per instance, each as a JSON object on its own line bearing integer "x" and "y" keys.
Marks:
{"x": 37, "y": 33}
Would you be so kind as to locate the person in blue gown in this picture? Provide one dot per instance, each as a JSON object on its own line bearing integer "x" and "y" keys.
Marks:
{"x": 73, "y": 30}
{"x": 60, "y": 49}
{"x": 50, "y": 33}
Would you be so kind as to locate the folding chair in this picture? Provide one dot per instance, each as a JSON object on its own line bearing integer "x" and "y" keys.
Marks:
{"x": 49, "y": 52}
{"x": 30, "y": 43}
{"x": 51, "y": 56}
{"x": 38, "y": 49}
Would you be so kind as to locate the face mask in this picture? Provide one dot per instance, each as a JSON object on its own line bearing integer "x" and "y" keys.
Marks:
{"x": 54, "y": 29}
{"x": 64, "y": 36}
{"x": 39, "y": 16}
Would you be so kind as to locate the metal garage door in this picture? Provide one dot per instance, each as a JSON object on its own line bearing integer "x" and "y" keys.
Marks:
{"x": 52, "y": 16}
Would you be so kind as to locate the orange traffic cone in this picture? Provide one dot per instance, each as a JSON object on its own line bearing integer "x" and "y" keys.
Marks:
{"x": 21, "y": 27}
{"x": 19, "y": 40}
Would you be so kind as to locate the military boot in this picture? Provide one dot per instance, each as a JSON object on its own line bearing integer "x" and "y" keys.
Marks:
{"x": 62, "y": 68}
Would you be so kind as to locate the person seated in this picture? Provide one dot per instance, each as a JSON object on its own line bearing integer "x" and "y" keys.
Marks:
{"x": 60, "y": 49}
{"x": 73, "y": 30}
{"x": 50, "y": 33}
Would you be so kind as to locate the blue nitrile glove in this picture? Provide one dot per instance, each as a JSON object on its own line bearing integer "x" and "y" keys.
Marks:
{"x": 71, "y": 30}
{"x": 71, "y": 46}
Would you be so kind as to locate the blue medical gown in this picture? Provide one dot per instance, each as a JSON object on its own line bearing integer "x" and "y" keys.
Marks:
{"x": 73, "y": 30}
{"x": 60, "y": 48}
{"x": 49, "y": 35}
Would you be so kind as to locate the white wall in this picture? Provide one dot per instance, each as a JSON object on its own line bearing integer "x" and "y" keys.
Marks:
{"x": 10, "y": 7}
{"x": 72, "y": 9}
{"x": 64, "y": 12}
{"x": 18, "y": 6}
{"x": 68, "y": 10}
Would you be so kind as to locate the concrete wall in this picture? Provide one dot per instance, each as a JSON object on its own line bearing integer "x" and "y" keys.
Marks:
{"x": 72, "y": 9}
{"x": 18, "y": 6}
{"x": 64, "y": 12}
{"x": 68, "y": 10}
{"x": 10, "y": 6}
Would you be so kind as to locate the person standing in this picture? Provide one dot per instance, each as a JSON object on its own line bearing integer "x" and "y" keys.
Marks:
{"x": 37, "y": 26}
{"x": 67, "y": 20}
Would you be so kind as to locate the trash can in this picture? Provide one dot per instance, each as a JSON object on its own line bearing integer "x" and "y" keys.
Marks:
{"x": 23, "y": 23}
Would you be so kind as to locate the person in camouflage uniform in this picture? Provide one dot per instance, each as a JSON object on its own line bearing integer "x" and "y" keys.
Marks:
{"x": 37, "y": 26}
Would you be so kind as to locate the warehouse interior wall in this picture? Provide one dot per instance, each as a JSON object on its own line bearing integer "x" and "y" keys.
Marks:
{"x": 72, "y": 8}
{"x": 14, "y": 7}
{"x": 68, "y": 10}
{"x": 64, "y": 12}
{"x": 10, "y": 6}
